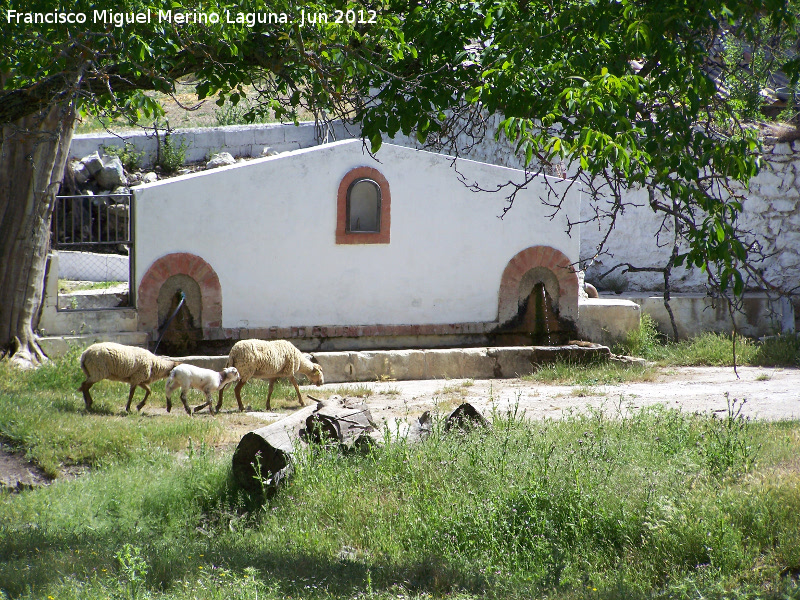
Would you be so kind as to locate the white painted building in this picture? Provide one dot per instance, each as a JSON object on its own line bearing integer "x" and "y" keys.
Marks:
{"x": 262, "y": 248}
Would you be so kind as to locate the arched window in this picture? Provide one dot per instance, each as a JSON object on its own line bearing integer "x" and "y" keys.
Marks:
{"x": 363, "y": 208}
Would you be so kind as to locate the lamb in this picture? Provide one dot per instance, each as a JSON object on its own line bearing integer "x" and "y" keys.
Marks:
{"x": 129, "y": 364}
{"x": 270, "y": 360}
{"x": 191, "y": 377}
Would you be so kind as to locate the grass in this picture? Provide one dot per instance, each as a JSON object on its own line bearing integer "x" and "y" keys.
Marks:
{"x": 205, "y": 113}
{"x": 456, "y": 388}
{"x": 707, "y": 349}
{"x": 42, "y": 415}
{"x": 592, "y": 374}
{"x": 711, "y": 349}
{"x": 649, "y": 503}
{"x": 68, "y": 285}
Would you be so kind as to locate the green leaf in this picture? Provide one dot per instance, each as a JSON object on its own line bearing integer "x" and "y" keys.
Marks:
{"x": 375, "y": 142}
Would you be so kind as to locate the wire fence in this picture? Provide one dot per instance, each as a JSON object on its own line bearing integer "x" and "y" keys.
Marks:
{"x": 94, "y": 239}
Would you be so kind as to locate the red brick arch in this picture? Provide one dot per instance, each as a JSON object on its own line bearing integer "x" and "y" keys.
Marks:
{"x": 530, "y": 258}
{"x": 180, "y": 263}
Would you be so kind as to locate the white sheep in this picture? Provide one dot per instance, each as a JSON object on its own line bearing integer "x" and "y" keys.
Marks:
{"x": 189, "y": 377}
{"x": 129, "y": 364}
{"x": 270, "y": 360}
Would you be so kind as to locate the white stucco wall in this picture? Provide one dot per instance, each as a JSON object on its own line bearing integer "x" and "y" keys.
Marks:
{"x": 268, "y": 226}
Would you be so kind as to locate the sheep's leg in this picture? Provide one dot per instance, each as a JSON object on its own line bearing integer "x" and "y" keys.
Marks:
{"x": 297, "y": 389}
{"x": 209, "y": 402}
{"x": 219, "y": 402}
{"x": 238, "y": 393}
{"x": 269, "y": 393}
{"x": 146, "y": 389}
{"x": 130, "y": 399}
{"x": 168, "y": 389}
{"x": 185, "y": 402}
{"x": 87, "y": 397}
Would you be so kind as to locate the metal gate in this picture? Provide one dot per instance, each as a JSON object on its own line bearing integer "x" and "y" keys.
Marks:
{"x": 94, "y": 239}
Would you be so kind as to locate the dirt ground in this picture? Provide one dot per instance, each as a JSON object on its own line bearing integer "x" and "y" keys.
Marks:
{"x": 770, "y": 394}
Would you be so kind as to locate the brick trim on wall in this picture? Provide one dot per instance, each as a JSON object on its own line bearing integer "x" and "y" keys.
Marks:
{"x": 539, "y": 256}
{"x": 180, "y": 263}
{"x": 342, "y": 235}
{"x": 351, "y": 331}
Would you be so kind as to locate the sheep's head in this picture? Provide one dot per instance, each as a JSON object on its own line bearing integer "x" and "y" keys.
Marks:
{"x": 316, "y": 375}
{"x": 229, "y": 375}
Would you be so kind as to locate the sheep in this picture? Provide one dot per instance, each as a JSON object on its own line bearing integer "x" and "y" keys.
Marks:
{"x": 270, "y": 360}
{"x": 129, "y": 364}
{"x": 191, "y": 377}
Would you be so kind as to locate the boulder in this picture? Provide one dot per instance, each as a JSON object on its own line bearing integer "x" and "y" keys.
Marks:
{"x": 106, "y": 171}
{"x": 92, "y": 163}
{"x": 112, "y": 174}
{"x": 80, "y": 174}
{"x": 221, "y": 159}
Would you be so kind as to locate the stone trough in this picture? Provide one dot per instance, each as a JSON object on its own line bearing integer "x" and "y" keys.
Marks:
{"x": 449, "y": 363}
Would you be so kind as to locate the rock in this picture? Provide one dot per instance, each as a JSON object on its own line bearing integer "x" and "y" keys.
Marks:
{"x": 783, "y": 205}
{"x": 135, "y": 178}
{"x": 782, "y": 148}
{"x": 107, "y": 171}
{"x": 628, "y": 360}
{"x": 80, "y": 174}
{"x": 112, "y": 174}
{"x": 221, "y": 159}
{"x": 121, "y": 195}
{"x": 767, "y": 178}
{"x": 149, "y": 177}
{"x": 267, "y": 151}
{"x": 92, "y": 163}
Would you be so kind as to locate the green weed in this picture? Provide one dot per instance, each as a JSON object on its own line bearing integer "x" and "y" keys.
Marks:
{"x": 67, "y": 285}
{"x": 592, "y": 374}
{"x": 171, "y": 156}
{"x": 131, "y": 159}
{"x": 709, "y": 349}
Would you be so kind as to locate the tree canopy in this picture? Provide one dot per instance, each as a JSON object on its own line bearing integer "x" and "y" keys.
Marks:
{"x": 619, "y": 92}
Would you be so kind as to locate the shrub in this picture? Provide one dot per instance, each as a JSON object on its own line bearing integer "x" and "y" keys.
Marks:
{"x": 130, "y": 158}
{"x": 171, "y": 156}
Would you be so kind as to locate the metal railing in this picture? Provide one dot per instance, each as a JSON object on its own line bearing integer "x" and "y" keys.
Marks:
{"x": 94, "y": 237}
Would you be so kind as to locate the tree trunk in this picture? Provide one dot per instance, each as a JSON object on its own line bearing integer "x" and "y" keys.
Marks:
{"x": 263, "y": 458}
{"x": 33, "y": 154}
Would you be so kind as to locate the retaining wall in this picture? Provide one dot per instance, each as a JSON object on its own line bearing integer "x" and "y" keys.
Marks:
{"x": 89, "y": 266}
{"x": 202, "y": 142}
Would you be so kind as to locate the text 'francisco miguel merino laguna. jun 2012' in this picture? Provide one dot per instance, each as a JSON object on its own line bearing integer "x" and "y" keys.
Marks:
{"x": 250, "y": 19}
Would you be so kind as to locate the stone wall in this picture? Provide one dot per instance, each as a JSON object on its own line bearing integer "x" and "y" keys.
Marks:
{"x": 770, "y": 210}
{"x": 202, "y": 142}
